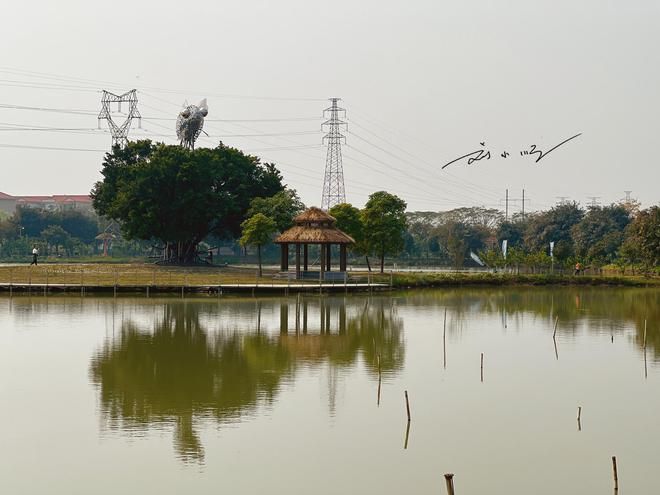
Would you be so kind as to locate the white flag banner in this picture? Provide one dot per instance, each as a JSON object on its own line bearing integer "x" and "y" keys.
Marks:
{"x": 504, "y": 246}
{"x": 552, "y": 249}
{"x": 477, "y": 259}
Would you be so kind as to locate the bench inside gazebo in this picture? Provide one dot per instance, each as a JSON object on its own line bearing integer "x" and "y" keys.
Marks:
{"x": 314, "y": 227}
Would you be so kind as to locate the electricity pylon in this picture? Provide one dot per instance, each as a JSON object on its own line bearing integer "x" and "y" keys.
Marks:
{"x": 333, "y": 181}
{"x": 120, "y": 132}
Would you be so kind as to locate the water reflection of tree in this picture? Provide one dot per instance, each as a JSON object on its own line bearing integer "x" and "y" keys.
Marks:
{"x": 178, "y": 372}
{"x": 607, "y": 309}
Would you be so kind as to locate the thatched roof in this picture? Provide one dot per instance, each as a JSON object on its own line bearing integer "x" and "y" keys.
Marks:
{"x": 300, "y": 234}
{"x": 314, "y": 226}
{"x": 313, "y": 215}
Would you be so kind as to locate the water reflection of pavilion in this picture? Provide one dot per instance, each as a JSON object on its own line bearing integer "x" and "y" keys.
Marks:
{"x": 178, "y": 370}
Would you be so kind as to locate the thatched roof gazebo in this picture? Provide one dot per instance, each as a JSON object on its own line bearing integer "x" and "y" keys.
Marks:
{"x": 314, "y": 226}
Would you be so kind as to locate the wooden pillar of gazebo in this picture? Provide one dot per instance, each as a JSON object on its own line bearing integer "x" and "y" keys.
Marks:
{"x": 342, "y": 257}
{"x": 297, "y": 261}
{"x": 328, "y": 256}
{"x": 305, "y": 258}
{"x": 322, "y": 259}
{"x": 284, "y": 264}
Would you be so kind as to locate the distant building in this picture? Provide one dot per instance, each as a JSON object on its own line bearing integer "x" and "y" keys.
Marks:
{"x": 56, "y": 202}
{"x": 7, "y": 203}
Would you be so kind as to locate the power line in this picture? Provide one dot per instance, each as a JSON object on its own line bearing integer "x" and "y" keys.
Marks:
{"x": 46, "y": 109}
{"x": 58, "y": 77}
{"x": 432, "y": 168}
{"x": 52, "y": 148}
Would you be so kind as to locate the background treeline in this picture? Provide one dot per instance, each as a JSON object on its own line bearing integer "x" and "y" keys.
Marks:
{"x": 70, "y": 233}
{"x": 618, "y": 234}
{"x": 621, "y": 236}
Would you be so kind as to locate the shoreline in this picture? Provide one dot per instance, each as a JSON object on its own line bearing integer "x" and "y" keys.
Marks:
{"x": 147, "y": 278}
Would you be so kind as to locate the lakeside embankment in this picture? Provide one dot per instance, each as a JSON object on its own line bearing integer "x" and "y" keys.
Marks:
{"x": 449, "y": 279}
{"x": 140, "y": 277}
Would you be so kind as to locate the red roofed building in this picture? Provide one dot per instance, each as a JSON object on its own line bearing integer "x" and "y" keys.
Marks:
{"x": 7, "y": 203}
{"x": 56, "y": 202}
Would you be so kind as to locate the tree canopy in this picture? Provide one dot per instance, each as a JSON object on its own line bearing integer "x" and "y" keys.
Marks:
{"x": 179, "y": 196}
{"x": 644, "y": 232}
{"x": 281, "y": 207}
{"x": 349, "y": 220}
{"x": 257, "y": 231}
{"x": 384, "y": 221}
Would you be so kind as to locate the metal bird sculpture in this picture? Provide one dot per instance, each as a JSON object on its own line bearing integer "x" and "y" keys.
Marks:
{"x": 190, "y": 122}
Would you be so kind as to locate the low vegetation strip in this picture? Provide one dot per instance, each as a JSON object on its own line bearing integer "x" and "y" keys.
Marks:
{"x": 444, "y": 279}
{"x": 108, "y": 275}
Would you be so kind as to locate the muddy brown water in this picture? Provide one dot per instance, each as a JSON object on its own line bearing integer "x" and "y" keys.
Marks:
{"x": 305, "y": 394}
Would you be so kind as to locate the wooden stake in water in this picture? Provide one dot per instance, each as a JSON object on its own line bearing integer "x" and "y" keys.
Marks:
{"x": 615, "y": 473}
{"x": 407, "y": 405}
{"x": 378, "y": 398}
{"x": 449, "y": 479}
{"x": 644, "y": 334}
{"x": 646, "y": 371}
{"x": 444, "y": 342}
{"x": 405, "y": 443}
{"x": 482, "y": 366}
{"x": 379, "y": 380}
{"x": 555, "y": 332}
{"x": 579, "y": 417}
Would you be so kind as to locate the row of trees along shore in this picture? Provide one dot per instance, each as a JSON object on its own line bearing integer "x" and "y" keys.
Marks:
{"x": 620, "y": 234}
{"x": 179, "y": 202}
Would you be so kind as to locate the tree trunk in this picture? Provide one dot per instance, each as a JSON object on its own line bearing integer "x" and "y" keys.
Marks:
{"x": 368, "y": 264}
{"x": 180, "y": 252}
{"x": 382, "y": 262}
{"x": 259, "y": 258}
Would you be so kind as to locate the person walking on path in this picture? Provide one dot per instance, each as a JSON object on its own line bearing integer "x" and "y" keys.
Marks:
{"x": 578, "y": 268}
{"x": 35, "y": 255}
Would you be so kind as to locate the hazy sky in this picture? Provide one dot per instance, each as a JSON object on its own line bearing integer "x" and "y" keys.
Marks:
{"x": 423, "y": 83}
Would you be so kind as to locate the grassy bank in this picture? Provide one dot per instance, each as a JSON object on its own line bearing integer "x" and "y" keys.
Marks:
{"x": 144, "y": 274}
{"x": 444, "y": 279}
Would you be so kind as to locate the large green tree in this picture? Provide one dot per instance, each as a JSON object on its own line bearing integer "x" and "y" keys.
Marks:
{"x": 281, "y": 207}
{"x": 179, "y": 196}
{"x": 644, "y": 231}
{"x": 553, "y": 225}
{"x": 55, "y": 236}
{"x": 349, "y": 220}
{"x": 384, "y": 220}
{"x": 257, "y": 231}
{"x": 599, "y": 235}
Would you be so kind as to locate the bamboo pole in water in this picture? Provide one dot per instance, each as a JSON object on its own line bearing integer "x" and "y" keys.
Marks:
{"x": 644, "y": 334}
{"x": 555, "y": 332}
{"x": 615, "y": 473}
{"x": 444, "y": 342}
{"x": 449, "y": 479}
{"x": 405, "y": 443}
{"x": 407, "y": 405}
{"x": 482, "y": 366}
{"x": 579, "y": 417}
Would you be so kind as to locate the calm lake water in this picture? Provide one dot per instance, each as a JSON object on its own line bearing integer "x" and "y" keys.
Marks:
{"x": 284, "y": 395}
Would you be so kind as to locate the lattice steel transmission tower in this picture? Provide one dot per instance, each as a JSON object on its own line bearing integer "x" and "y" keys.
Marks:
{"x": 333, "y": 181}
{"x": 120, "y": 132}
